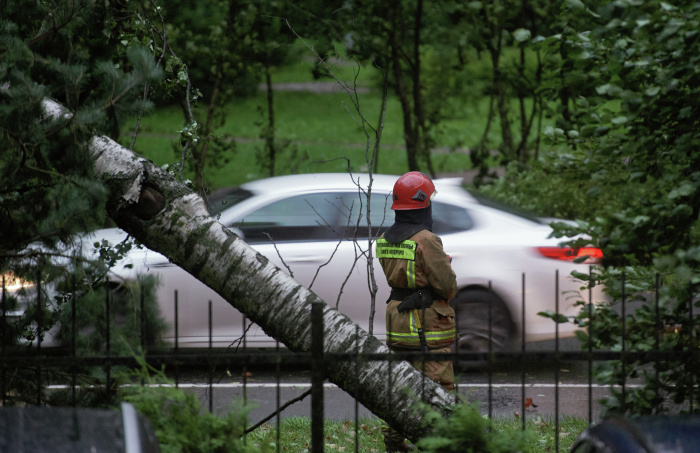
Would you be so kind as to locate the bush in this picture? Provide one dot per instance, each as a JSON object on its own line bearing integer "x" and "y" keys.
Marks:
{"x": 467, "y": 431}
{"x": 177, "y": 418}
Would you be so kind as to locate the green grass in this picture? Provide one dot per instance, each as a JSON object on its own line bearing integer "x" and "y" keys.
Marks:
{"x": 323, "y": 137}
{"x": 319, "y": 127}
{"x": 295, "y": 434}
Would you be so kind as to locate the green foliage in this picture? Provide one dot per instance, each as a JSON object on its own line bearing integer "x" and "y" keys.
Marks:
{"x": 552, "y": 187}
{"x": 63, "y": 51}
{"x": 176, "y": 416}
{"x": 657, "y": 320}
{"x": 637, "y": 131}
{"x": 627, "y": 135}
{"x": 466, "y": 430}
{"x": 635, "y": 137}
{"x": 47, "y": 191}
{"x": 130, "y": 325}
{"x": 228, "y": 47}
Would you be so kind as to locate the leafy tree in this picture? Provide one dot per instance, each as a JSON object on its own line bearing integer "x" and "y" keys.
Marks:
{"x": 229, "y": 47}
{"x": 162, "y": 213}
{"x": 396, "y": 37}
{"x": 48, "y": 192}
{"x": 635, "y": 142}
{"x": 498, "y": 28}
{"x": 270, "y": 48}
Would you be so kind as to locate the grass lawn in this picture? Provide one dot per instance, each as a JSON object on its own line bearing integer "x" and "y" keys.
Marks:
{"x": 295, "y": 434}
{"x": 320, "y": 133}
{"x": 316, "y": 131}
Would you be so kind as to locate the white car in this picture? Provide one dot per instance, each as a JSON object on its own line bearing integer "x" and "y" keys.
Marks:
{"x": 314, "y": 226}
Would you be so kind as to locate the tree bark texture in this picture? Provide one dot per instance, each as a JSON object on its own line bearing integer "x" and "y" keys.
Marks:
{"x": 171, "y": 219}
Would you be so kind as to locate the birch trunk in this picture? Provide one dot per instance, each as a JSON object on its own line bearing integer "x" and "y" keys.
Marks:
{"x": 169, "y": 218}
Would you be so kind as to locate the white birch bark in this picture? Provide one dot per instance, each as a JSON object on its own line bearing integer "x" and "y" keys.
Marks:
{"x": 169, "y": 218}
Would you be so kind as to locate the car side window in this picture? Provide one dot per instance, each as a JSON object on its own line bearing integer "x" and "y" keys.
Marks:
{"x": 448, "y": 218}
{"x": 354, "y": 216}
{"x": 309, "y": 217}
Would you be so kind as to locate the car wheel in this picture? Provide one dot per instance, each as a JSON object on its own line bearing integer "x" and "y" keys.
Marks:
{"x": 472, "y": 316}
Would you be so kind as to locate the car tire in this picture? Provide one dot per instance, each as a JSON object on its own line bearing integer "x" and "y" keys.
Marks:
{"x": 472, "y": 316}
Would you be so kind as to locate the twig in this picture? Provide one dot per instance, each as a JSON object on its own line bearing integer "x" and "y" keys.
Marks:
{"x": 291, "y": 274}
{"x": 279, "y": 410}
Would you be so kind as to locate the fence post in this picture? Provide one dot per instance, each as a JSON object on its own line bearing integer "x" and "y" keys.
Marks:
{"x": 4, "y": 339}
{"x": 522, "y": 351}
{"x": 318, "y": 375}
{"x": 38, "y": 337}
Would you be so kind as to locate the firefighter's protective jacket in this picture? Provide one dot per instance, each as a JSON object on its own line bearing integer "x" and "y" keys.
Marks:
{"x": 415, "y": 263}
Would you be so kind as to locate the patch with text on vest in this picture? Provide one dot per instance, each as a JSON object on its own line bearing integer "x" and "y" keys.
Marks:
{"x": 405, "y": 250}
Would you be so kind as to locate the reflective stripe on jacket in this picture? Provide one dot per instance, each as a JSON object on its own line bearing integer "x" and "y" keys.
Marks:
{"x": 419, "y": 262}
{"x": 437, "y": 322}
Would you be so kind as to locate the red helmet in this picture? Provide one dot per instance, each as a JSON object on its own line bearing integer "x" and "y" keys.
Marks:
{"x": 413, "y": 190}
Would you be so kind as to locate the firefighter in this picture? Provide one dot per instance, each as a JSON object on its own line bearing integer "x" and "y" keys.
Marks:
{"x": 418, "y": 315}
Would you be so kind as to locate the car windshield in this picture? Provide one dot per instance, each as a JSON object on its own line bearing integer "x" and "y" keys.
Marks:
{"x": 224, "y": 198}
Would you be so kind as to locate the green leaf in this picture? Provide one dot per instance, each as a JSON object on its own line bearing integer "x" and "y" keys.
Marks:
{"x": 556, "y": 317}
{"x": 522, "y": 34}
{"x": 667, "y": 7}
{"x": 575, "y": 5}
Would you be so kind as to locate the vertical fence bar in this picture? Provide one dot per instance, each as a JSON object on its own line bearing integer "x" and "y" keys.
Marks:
{"x": 211, "y": 367}
{"x": 38, "y": 336}
{"x": 278, "y": 396}
{"x": 624, "y": 342}
{"x": 108, "y": 365}
{"x": 73, "y": 342}
{"x": 357, "y": 374}
{"x": 142, "y": 323}
{"x": 142, "y": 300}
{"x": 245, "y": 374}
{"x": 177, "y": 336}
{"x": 456, "y": 360}
{"x": 245, "y": 361}
{"x": 691, "y": 362}
{"x": 389, "y": 362}
{"x": 556, "y": 362}
{"x": 4, "y": 338}
{"x": 490, "y": 359}
{"x": 590, "y": 345}
{"x": 522, "y": 350}
{"x": 317, "y": 377}
{"x": 657, "y": 339}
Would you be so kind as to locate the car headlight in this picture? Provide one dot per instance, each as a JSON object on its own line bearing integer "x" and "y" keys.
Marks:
{"x": 14, "y": 284}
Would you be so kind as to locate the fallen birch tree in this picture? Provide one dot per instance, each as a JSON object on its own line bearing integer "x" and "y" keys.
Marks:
{"x": 167, "y": 217}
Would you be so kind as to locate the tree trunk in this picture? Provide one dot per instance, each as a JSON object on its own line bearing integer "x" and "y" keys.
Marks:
{"x": 424, "y": 145}
{"x": 200, "y": 150}
{"x": 410, "y": 130}
{"x": 169, "y": 218}
{"x": 270, "y": 129}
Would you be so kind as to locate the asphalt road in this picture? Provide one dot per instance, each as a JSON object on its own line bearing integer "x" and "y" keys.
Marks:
{"x": 498, "y": 390}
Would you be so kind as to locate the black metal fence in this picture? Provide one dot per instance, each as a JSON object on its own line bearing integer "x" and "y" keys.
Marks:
{"x": 480, "y": 376}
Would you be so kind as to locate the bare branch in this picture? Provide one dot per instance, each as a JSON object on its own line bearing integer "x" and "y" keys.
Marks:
{"x": 278, "y": 411}
{"x": 291, "y": 274}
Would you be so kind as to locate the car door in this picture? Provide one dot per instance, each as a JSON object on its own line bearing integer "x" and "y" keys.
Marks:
{"x": 321, "y": 240}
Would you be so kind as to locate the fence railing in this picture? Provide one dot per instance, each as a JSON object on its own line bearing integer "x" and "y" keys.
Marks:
{"x": 36, "y": 368}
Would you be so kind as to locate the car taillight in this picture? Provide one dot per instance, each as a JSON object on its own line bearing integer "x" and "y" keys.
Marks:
{"x": 584, "y": 255}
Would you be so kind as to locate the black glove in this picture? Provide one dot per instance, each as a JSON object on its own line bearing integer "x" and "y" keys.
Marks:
{"x": 420, "y": 299}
